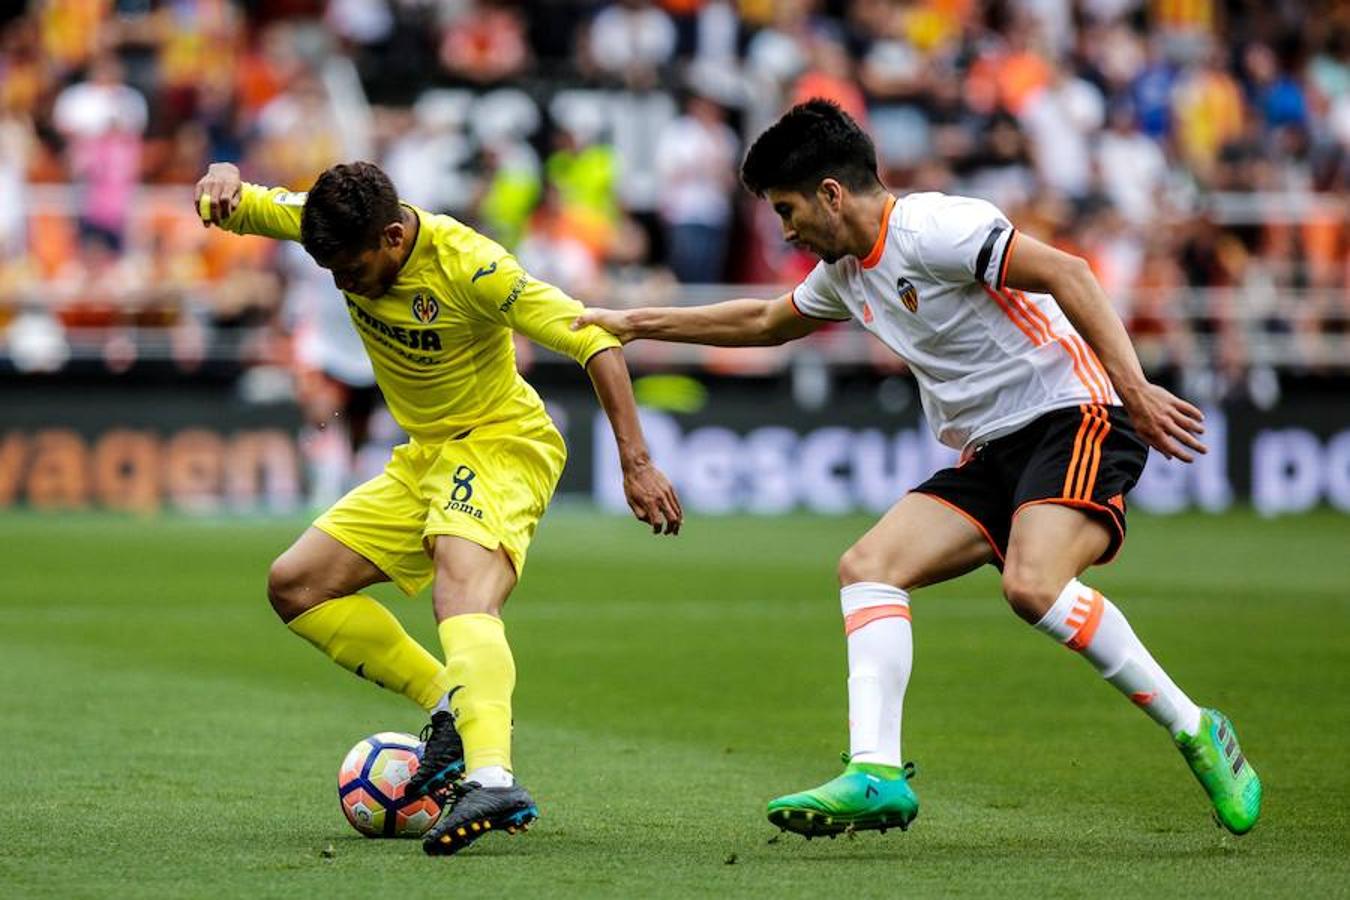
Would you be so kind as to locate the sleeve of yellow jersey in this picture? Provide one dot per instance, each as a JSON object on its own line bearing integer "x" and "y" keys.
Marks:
{"x": 270, "y": 212}
{"x": 506, "y": 293}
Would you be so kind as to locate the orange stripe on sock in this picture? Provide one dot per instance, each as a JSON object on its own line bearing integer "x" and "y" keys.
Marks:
{"x": 1085, "y": 618}
{"x": 864, "y": 617}
{"x": 1143, "y": 698}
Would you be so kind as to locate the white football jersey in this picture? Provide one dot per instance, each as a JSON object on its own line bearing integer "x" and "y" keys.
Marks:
{"x": 988, "y": 359}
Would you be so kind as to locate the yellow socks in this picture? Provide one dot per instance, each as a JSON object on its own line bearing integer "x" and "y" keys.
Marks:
{"x": 363, "y": 637}
{"x": 482, "y": 675}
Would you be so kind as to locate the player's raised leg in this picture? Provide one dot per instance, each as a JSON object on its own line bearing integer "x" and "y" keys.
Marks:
{"x": 1050, "y": 545}
{"x": 919, "y": 541}
{"x": 313, "y": 588}
{"x": 472, "y": 584}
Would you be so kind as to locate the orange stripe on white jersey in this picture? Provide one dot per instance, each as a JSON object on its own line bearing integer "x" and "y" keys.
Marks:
{"x": 869, "y": 614}
{"x": 1084, "y": 619}
{"x": 1039, "y": 323}
{"x": 1081, "y": 367}
{"x": 1094, "y": 367}
{"x": 1016, "y": 318}
{"x": 1101, "y": 369}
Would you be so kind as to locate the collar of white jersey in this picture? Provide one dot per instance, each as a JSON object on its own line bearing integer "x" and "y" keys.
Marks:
{"x": 879, "y": 245}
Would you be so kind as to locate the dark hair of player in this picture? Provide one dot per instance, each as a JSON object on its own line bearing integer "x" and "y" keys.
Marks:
{"x": 347, "y": 210}
{"x": 813, "y": 141}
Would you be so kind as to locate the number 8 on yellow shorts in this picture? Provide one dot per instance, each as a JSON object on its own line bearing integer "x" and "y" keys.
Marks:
{"x": 490, "y": 486}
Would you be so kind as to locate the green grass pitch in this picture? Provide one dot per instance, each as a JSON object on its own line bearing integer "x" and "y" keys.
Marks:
{"x": 165, "y": 736}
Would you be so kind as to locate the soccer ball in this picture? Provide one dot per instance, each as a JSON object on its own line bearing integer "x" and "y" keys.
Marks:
{"x": 371, "y": 782}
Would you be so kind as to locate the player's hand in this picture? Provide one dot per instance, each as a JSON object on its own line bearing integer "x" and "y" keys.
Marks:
{"x": 1169, "y": 424}
{"x": 615, "y": 321}
{"x": 652, "y": 497}
{"x": 218, "y": 193}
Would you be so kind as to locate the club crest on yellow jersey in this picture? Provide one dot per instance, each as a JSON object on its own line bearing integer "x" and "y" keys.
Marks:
{"x": 909, "y": 295}
{"x": 425, "y": 308}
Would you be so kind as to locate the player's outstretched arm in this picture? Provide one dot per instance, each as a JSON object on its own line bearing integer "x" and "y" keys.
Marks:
{"x": 223, "y": 199}
{"x": 735, "y": 323}
{"x": 650, "y": 494}
{"x": 1169, "y": 424}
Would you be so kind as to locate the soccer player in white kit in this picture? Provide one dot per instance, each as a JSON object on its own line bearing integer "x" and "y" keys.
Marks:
{"x": 1023, "y": 365}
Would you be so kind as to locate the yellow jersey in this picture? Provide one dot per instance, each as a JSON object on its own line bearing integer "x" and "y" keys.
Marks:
{"x": 440, "y": 339}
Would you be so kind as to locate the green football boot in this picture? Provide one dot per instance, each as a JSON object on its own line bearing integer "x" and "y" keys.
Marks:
{"x": 1223, "y": 771}
{"x": 865, "y": 797}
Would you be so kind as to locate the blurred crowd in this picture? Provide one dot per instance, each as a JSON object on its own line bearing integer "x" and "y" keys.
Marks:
{"x": 1196, "y": 152}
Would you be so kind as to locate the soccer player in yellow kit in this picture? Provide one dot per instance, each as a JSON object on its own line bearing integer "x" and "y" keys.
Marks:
{"x": 435, "y": 304}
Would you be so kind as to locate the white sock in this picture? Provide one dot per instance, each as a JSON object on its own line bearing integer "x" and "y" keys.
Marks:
{"x": 491, "y": 776}
{"x": 442, "y": 705}
{"x": 880, "y": 656}
{"x": 1085, "y": 621}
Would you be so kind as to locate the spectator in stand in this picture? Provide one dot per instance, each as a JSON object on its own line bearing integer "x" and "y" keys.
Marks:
{"x": 632, "y": 40}
{"x": 1131, "y": 167}
{"x": 1002, "y": 101}
{"x": 1060, "y": 119}
{"x": 1150, "y": 312}
{"x": 25, "y": 75}
{"x": 696, "y": 160}
{"x": 998, "y": 165}
{"x": 484, "y": 43}
{"x": 72, "y": 32}
{"x": 198, "y": 42}
{"x": 18, "y": 143}
{"x": 298, "y": 134}
{"x": 552, "y": 252}
{"x": 777, "y": 52}
{"x": 510, "y": 189}
{"x": 830, "y": 74}
{"x": 1009, "y": 73}
{"x": 102, "y": 121}
{"x": 1151, "y": 92}
{"x": 1208, "y": 110}
{"x": 584, "y": 172}
{"x": 1276, "y": 94}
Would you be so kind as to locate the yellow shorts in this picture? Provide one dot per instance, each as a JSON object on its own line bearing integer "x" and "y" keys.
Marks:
{"x": 490, "y": 487}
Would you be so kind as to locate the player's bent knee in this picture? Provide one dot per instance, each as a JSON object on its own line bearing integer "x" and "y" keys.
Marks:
{"x": 860, "y": 563}
{"x": 1028, "y": 593}
{"x": 289, "y": 589}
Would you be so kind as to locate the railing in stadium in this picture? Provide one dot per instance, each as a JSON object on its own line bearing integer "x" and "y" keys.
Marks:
{"x": 1261, "y": 325}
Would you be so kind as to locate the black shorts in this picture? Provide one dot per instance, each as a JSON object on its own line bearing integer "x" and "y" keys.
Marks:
{"x": 1087, "y": 458}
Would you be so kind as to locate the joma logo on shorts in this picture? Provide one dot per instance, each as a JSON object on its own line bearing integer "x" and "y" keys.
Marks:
{"x": 457, "y": 506}
{"x": 463, "y": 492}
